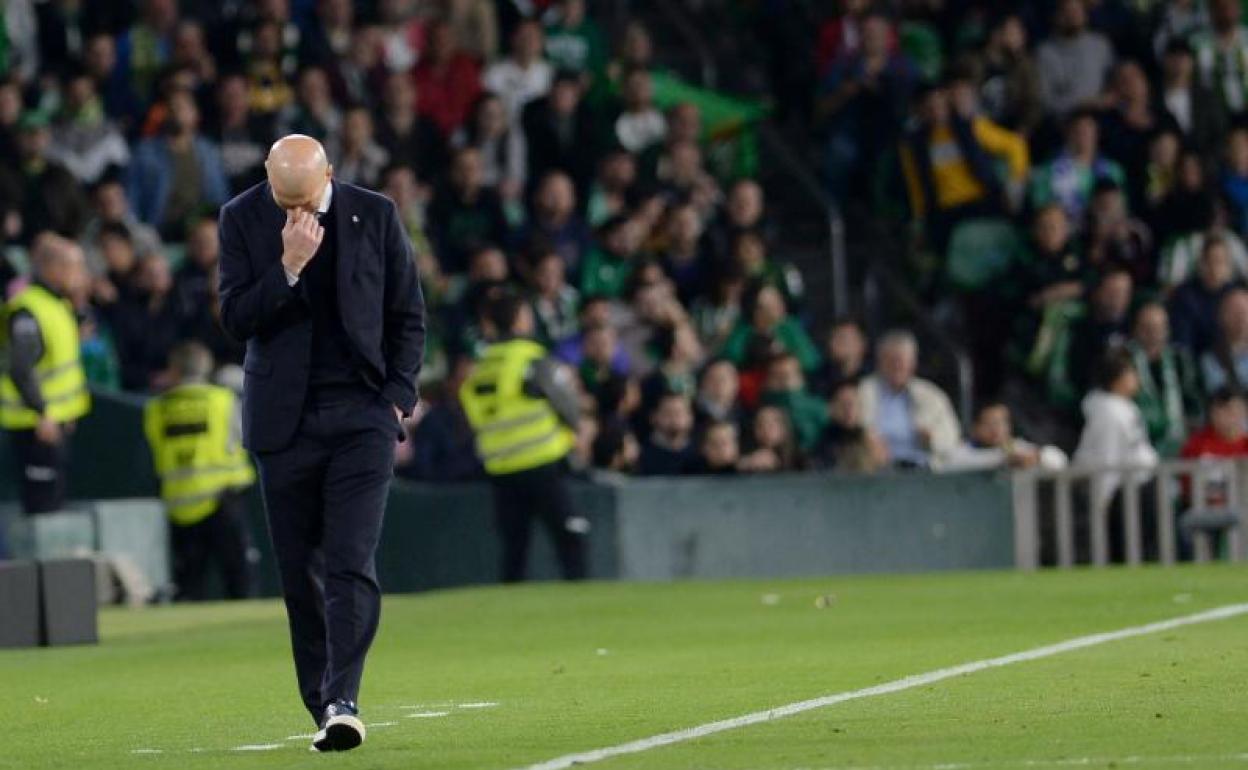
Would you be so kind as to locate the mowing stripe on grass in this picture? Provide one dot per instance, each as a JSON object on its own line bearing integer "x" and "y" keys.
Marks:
{"x": 897, "y": 685}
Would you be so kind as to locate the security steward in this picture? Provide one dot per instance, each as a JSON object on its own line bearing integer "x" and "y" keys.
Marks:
{"x": 522, "y": 405}
{"x": 194, "y": 431}
{"x": 44, "y": 392}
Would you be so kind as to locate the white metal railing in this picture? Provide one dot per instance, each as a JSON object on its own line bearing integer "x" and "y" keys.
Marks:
{"x": 1067, "y": 506}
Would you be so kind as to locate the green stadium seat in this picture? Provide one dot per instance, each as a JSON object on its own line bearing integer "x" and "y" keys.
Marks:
{"x": 980, "y": 251}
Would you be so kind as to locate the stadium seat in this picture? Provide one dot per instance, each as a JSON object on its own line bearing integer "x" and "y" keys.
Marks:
{"x": 980, "y": 251}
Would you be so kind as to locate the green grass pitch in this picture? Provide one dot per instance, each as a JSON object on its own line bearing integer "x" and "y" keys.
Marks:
{"x": 502, "y": 678}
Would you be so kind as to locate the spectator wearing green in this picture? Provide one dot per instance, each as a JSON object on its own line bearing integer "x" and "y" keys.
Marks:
{"x": 554, "y": 302}
{"x": 766, "y": 321}
{"x": 1168, "y": 396}
{"x": 610, "y": 263}
{"x": 574, "y": 42}
{"x": 1070, "y": 178}
{"x": 1222, "y": 55}
{"x": 785, "y": 387}
{"x": 749, "y": 250}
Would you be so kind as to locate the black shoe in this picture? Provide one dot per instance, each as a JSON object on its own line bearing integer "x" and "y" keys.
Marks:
{"x": 341, "y": 728}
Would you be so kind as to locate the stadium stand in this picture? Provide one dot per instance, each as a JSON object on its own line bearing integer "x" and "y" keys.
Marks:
{"x": 722, "y": 211}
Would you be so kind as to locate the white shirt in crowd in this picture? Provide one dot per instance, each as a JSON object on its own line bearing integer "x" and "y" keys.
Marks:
{"x": 1113, "y": 434}
{"x": 516, "y": 86}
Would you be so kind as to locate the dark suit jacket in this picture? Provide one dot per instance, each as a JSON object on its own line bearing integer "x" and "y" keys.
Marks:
{"x": 378, "y": 295}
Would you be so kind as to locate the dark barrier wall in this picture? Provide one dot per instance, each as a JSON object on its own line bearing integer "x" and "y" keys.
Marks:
{"x": 813, "y": 524}
{"x": 440, "y": 535}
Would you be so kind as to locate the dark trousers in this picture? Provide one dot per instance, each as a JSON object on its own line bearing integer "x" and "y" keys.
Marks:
{"x": 41, "y": 471}
{"x": 223, "y": 539}
{"x": 325, "y": 495}
{"x": 542, "y": 494}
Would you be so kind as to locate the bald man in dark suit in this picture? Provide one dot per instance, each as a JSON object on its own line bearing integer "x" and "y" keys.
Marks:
{"x": 317, "y": 277}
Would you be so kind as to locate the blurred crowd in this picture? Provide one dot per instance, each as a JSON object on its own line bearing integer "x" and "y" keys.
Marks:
{"x": 1076, "y": 173}
{"x": 1076, "y": 177}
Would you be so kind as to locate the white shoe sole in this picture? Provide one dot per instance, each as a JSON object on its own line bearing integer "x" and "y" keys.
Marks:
{"x": 341, "y": 733}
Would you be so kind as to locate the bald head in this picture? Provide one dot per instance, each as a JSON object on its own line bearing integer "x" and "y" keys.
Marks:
{"x": 298, "y": 172}
{"x": 58, "y": 262}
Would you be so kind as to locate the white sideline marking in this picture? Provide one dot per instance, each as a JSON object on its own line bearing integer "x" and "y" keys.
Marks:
{"x": 897, "y": 685}
{"x": 257, "y": 747}
{"x": 1189, "y": 759}
{"x": 382, "y": 724}
{"x": 307, "y": 737}
{"x": 147, "y": 751}
{"x": 428, "y": 714}
{"x": 481, "y": 705}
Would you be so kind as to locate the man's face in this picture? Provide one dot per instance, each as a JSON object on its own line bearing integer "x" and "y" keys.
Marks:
{"x": 785, "y": 376}
{"x": 527, "y": 42}
{"x": 549, "y": 275}
{"x": 564, "y": 97}
{"x": 1071, "y": 16}
{"x": 1051, "y": 230}
{"x": 897, "y": 364}
{"x": 1152, "y": 328}
{"x": 769, "y": 310}
{"x": 488, "y": 265}
{"x": 1225, "y": 13}
{"x": 33, "y": 142}
{"x": 400, "y": 186}
{"x": 110, "y": 202}
{"x": 1177, "y": 66}
{"x": 202, "y": 246}
{"x": 876, "y": 37}
{"x": 1233, "y": 316}
{"x": 314, "y": 88}
{"x": 183, "y": 114}
{"x": 118, "y": 254}
{"x": 1214, "y": 267}
{"x": 466, "y": 172}
{"x": 600, "y": 345}
{"x": 745, "y": 203}
{"x": 847, "y": 345}
{"x": 100, "y": 56}
{"x": 674, "y": 417}
{"x": 557, "y": 198}
{"x": 993, "y": 427}
{"x": 1083, "y": 136}
{"x": 595, "y": 313}
{"x": 844, "y": 409}
{"x": 719, "y": 447}
{"x": 685, "y": 124}
{"x": 232, "y": 96}
{"x": 358, "y": 128}
{"x": 71, "y": 275}
{"x": 154, "y": 276}
{"x": 1113, "y": 297}
{"x": 719, "y": 384}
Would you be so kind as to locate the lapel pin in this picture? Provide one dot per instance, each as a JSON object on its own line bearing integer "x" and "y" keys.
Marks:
{"x": 355, "y": 219}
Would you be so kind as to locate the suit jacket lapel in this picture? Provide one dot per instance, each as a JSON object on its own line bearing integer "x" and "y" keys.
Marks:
{"x": 272, "y": 220}
{"x": 347, "y": 236}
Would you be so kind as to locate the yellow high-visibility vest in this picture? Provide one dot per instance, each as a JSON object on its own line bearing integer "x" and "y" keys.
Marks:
{"x": 196, "y": 454}
{"x": 62, "y": 380}
{"x": 514, "y": 431}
